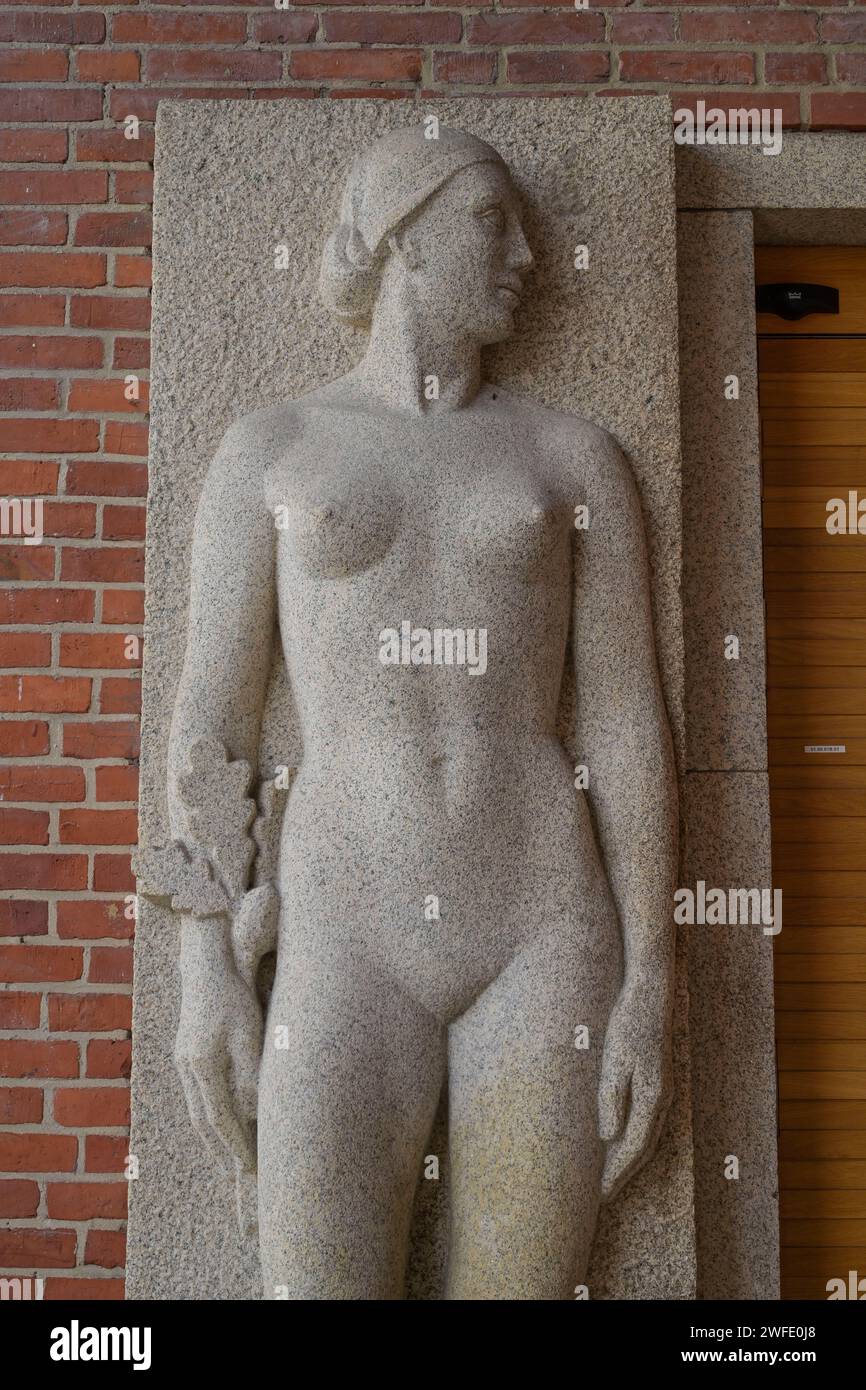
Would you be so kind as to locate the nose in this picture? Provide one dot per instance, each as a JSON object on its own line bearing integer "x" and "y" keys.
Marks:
{"x": 519, "y": 255}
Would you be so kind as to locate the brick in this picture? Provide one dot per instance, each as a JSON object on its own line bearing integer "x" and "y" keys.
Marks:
{"x": 673, "y": 66}
{"x": 840, "y": 110}
{"x": 131, "y": 353}
{"x": 109, "y": 564}
{"x": 34, "y": 964}
{"x": 26, "y": 562}
{"x": 54, "y": 186}
{"x": 21, "y": 1105}
{"x": 20, "y": 827}
{"x": 502, "y": 29}
{"x": 33, "y": 65}
{"x": 33, "y": 146}
{"x": 65, "y": 872}
{"x": 27, "y": 228}
{"x": 69, "y": 268}
{"x": 460, "y": 66}
{"x": 123, "y": 523}
{"x": 34, "y": 435}
{"x": 57, "y": 1059}
{"x": 28, "y": 393}
{"x": 209, "y": 29}
{"x": 41, "y": 783}
{"x": 105, "y": 396}
{"x": 795, "y": 68}
{"x": 23, "y": 738}
{"x": 103, "y": 1153}
{"x": 113, "y": 229}
{"x": 48, "y": 352}
{"x": 22, "y": 917}
{"x": 120, "y": 695}
{"x": 94, "y": 918}
{"x": 112, "y": 873}
{"x": 116, "y": 784}
{"x": 843, "y": 28}
{"x": 765, "y": 27}
{"x": 123, "y": 606}
{"x": 27, "y": 477}
{"x": 19, "y": 1010}
{"x": 109, "y": 1058}
{"x": 89, "y": 1013}
{"x": 87, "y": 478}
{"x": 33, "y": 311}
{"x": 92, "y": 1107}
{"x": 851, "y": 67}
{"x": 132, "y": 272}
{"x": 25, "y": 1248}
{"x": 107, "y": 66}
{"x": 46, "y": 605}
{"x": 368, "y": 64}
{"x": 123, "y": 438}
{"x": 84, "y": 1288}
{"x": 49, "y": 694}
{"x": 69, "y": 518}
{"x": 197, "y": 65}
{"x": 37, "y": 26}
{"x": 25, "y": 649}
{"x": 110, "y": 311}
{"x": 98, "y": 650}
{"x": 106, "y": 1249}
{"x": 86, "y": 1201}
{"x": 133, "y": 186}
{"x": 97, "y": 828}
{"x": 642, "y": 28}
{"x": 111, "y": 965}
{"x": 37, "y": 1152}
{"x": 413, "y": 28}
{"x": 112, "y": 738}
{"x": 587, "y": 66}
{"x": 112, "y": 147}
{"x": 57, "y": 104}
{"x": 286, "y": 27}
{"x": 19, "y": 1197}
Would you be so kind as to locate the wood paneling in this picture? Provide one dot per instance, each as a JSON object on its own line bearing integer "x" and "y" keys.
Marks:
{"x": 813, "y": 432}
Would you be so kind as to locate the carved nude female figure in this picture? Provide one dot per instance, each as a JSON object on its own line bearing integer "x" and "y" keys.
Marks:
{"x": 454, "y": 907}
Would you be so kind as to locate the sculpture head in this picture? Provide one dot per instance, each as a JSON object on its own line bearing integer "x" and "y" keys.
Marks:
{"x": 431, "y": 226}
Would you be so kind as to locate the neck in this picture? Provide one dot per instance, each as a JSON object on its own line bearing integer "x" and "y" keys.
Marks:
{"x": 406, "y": 351}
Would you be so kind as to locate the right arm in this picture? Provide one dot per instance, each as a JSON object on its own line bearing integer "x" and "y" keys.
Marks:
{"x": 221, "y": 696}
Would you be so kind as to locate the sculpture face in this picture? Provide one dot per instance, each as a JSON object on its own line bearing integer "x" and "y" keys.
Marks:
{"x": 464, "y": 255}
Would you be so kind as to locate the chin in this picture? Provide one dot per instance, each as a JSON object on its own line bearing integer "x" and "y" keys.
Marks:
{"x": 496, "y": 328}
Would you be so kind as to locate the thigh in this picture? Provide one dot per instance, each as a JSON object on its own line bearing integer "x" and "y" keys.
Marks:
{"x": 350, "y": 1077}
{"x": 525, "y": 1156}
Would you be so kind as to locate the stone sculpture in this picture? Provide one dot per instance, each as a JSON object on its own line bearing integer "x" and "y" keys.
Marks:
{"x": 449, "y": 899}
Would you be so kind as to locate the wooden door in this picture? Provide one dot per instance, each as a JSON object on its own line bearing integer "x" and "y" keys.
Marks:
{"x": 813, "y": 432}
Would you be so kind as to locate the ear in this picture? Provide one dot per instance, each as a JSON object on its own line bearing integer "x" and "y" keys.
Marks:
{"x": 403, "y": 244}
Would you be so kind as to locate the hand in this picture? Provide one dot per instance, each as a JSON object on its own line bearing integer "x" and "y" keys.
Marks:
{"x": 635, "y": 1087}
{"x": 217, "y": 1053}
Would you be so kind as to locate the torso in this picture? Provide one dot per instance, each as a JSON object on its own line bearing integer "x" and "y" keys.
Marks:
{"x": 428, "y": 780}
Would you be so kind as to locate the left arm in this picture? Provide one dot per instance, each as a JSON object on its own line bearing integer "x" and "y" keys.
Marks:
{"x": 624, "y": 739}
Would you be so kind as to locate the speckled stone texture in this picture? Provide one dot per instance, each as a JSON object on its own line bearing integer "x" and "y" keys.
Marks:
{"x": 723, "y": 594}
{"x": 233, "y": 334}
{"x": 812, "y": 170}
{"x": 732, "y": 1026}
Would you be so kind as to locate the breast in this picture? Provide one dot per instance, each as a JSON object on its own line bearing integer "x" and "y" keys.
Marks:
{"x": 517, "y": 532}
{"x": 336, "y": 528}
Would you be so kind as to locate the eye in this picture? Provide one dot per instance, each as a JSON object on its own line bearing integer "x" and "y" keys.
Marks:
{"x": 493, "y": 216}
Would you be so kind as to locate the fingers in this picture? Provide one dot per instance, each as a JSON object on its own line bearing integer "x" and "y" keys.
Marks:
{"x": 213, "y": 1080}
{"x": 648, "y": 1109}
{"x": 197, "y": 1112}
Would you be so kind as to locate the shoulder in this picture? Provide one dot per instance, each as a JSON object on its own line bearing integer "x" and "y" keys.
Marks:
{"x": 581, "y": 453}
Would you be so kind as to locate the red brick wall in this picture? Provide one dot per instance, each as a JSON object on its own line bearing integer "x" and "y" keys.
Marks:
{"x": 74, "y": 272}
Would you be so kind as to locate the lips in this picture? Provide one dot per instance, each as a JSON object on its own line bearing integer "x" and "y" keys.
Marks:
{"x": 511, "y": 293}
